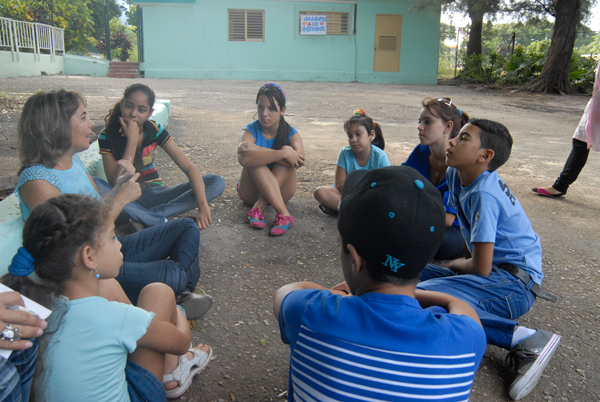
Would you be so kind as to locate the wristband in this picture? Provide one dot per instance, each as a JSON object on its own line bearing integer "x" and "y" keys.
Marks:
{"x": 182, "y": 309}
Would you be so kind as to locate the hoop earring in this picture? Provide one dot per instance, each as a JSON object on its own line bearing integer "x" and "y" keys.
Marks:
{"x": 95, "y": 270}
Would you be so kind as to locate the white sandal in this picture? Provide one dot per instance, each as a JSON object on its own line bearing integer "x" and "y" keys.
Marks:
{"x": 186, "y": 370}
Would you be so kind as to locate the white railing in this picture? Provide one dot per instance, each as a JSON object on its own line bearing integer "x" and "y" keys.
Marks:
{"x": 31, "y": 37}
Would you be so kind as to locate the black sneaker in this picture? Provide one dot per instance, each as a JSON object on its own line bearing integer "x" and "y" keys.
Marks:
{"x": 531, "y": 356}
{"x": 327, "y": 211}
{"x": 195, "y": 305}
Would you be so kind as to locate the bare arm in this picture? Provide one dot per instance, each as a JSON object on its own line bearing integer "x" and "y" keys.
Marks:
{"x": 339, "y": 289}
{"x": 340, "y": 177}
{"x": 34, "y": 192}
{"x": 479, "y": 264}
{"x": 284, "y": 290}
{"x": 298, "y": 146}
{"x": 204, "y": 218}
{"x": 450, "y": 219}
{"x": 427, "y": 298}
{"x": 131, "y": 131}
{"x": 252, "y": 155}
{"x": 164, "y": 337}
{"x": 126, "y": 190}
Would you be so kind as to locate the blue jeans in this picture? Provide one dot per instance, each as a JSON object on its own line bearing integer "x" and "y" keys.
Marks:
{"x": 498, "y": 298}
{"x": 452, "y": 245}
{"x": 16, "y": 374}
{"x": 142, "y": 385}
{"x": 160, "y": 202}
{"x": 166, "y": 253}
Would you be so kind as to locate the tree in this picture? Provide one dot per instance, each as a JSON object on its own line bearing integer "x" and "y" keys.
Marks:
{"x": 71, "y": 15}
{"x": 15, "y": 10}
{"x": 121, "y": 40}
{"x": 476, "y": 10}
{"x": 568, "y": 14}
{"x": 97, "y": 8}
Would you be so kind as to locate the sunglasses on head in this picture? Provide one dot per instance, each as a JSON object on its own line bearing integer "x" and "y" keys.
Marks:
{"x": 445, "y": 101}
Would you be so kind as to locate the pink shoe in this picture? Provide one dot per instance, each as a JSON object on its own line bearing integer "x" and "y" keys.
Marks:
{"x": 257, "y": 220}
{"x": 282, "y": 224}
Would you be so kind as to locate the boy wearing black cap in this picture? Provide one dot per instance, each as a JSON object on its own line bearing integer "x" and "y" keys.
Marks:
{"x": 502, "y": 273}
{"x": 378, "y": 343}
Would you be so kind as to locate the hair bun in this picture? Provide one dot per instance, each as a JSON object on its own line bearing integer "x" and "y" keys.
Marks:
{"x": 359, "y": 112}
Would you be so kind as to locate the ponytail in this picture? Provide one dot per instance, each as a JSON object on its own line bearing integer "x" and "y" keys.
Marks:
{"x": 362, "y": 119}
{"x": 378, "y": 141}
{"x": 276, "y": 96}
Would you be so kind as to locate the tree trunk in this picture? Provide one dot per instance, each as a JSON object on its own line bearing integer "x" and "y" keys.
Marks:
{"x": 555, "y": 73}
{"x": 474, "y": 45}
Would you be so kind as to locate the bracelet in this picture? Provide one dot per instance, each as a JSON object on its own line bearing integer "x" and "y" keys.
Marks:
{"x": 182, "y": 309}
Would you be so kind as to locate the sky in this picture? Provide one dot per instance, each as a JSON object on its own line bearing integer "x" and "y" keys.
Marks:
{"x": 594, "y": 23}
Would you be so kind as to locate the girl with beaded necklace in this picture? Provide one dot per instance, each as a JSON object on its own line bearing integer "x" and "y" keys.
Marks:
{"x": 100, "y": 347}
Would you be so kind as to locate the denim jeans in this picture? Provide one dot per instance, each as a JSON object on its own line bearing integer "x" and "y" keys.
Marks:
{"x": 166, "y": 253}
{"x": 142, "y": 385}
{"x": 452, "y": 245}
{"x": 160, "y": 202}
{"x": 498, "y": 298}
{"x": 16, "y": 374}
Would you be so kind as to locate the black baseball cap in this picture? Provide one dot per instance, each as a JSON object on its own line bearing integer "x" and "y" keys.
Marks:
{"x": 395, "y": 219}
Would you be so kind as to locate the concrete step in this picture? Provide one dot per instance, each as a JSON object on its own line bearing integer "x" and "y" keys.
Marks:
{"x": 124, "y": 69}
{"x": 123, "y": 75}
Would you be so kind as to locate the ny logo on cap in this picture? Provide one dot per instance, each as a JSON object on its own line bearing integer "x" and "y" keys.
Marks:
{"x": 393, "y": 263}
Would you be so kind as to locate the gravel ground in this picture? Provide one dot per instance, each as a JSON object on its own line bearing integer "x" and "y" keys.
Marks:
{"x": 241, "y": 267}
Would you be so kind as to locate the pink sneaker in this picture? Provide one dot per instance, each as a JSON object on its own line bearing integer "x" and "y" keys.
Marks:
{"x": 257, "y": 220}
{"x": 282, "y": 224}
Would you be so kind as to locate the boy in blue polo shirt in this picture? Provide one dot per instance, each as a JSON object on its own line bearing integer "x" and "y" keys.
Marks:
{"x": 501, "y": 275}
{"x": 369, "y": 338}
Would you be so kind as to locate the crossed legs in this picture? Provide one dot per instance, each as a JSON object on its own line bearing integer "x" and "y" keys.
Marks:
{"x": 260, "y": 186}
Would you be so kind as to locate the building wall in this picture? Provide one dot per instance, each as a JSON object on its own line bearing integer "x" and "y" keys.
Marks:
{"x": 28, "y": 64}
{"x": 81, "y": 65}
{"x": 190, "y": 41}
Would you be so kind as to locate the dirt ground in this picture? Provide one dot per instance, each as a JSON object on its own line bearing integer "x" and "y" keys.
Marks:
{"x": 242, "y": 267}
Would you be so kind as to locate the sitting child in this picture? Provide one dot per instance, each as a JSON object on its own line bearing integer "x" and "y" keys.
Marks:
{"x": 363, "y": 152}
{"x": 270, "y": 151}
{"x": 128, "y": 142}
{"x": 98, "y": 349}
{"x": 501, "y": 276}
{"x": 378, "y": 343}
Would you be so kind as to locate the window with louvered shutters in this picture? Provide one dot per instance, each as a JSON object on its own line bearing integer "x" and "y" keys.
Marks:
{"x": 337, "y": 23}
{"x": 246, "y": 25}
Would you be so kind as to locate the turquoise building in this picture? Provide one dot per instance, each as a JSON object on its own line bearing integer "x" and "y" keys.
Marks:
{"x": 380, "y": 41}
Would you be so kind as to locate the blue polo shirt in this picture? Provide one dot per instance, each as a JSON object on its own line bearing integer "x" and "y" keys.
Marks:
{"x": 384, "y": 347}
{"x": 490, "y": 213}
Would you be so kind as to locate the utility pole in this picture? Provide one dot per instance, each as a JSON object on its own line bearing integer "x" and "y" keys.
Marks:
{"x": 51, "y": 4}
{"x": 106, "y": 31}
{"x": 456, "y": 53}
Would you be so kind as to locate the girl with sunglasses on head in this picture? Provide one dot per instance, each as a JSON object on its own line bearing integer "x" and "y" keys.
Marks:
{"x": 270, "y": 151}
{"x": 439, "y": 121}
{"x": 364, "y": 152}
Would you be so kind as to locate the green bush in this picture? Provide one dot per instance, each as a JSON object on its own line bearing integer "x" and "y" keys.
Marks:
{"x": 583, "y": 73}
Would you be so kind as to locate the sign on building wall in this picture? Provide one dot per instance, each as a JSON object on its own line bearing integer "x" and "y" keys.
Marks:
{"x": 313, "y": 24}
